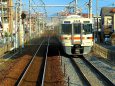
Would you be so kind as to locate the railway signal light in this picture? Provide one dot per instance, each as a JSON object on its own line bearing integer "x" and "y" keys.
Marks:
{"x": 23, "y": 16}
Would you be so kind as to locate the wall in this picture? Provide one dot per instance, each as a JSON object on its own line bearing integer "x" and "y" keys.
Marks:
{"x": 104, "y": 52}
{"x": 113, "y": 22}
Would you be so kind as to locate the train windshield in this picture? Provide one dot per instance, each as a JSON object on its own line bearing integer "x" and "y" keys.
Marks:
{"x": 66, "y": 28}
{"x": 87, "y": 28}
{"x": 77, "y": 28}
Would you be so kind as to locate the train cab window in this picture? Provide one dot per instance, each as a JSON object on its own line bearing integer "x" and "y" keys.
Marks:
{"x": 77, "y": 28}
{"x": 87, "y": 28}
{"x": 66, "y": 28}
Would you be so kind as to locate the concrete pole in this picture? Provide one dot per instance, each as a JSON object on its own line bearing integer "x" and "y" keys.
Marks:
{"x": 30, "y": 19}
{"x": 90, "y": 8}
{"x": 16, "y": 43}
{"x": 39, "y": 27}
{"x": 3, "y": 21}
{"x": 97, "y": 19}
{"x": 114, "y": 22}
{"x": 10, "y": 14}
{"x": 2, "y": 16}
{"x": 76, "y": 1}
{"x": 21, "y": 31}
{"x": 36, "y": 27}
{"x": 43, "y": 23}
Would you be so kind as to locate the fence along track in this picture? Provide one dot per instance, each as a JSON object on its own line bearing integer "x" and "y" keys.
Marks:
{"x": 21, "y": 77}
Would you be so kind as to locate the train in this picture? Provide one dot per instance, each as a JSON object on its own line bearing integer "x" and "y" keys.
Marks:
{"x": 77, "y": 32}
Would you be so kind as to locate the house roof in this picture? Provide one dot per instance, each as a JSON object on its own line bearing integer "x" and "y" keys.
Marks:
{"x": 106, "y": 11}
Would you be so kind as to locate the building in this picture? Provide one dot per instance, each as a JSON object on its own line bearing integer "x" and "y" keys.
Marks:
{"x": 97, "y": 22}
{"x": 6, "y": 15}
{"x": 106, "y": 20}
{"x": 113, "y": 18}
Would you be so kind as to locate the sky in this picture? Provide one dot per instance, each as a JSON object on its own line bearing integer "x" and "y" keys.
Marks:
{"x": 52, "y": 10}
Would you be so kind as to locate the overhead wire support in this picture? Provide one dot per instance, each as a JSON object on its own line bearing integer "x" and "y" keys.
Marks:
{"x": 75, "y": 6}
{"x": 72, "y": 6}
{"x": 51, "y": 6}
{"x": 44, "y": 7}
{"x": 16, "y": 45}
{"x": 34, "y": 9}
{"x": 44, "y": 13}
{"x": 30, "y": 20}
{"x": 37, "y": 7}
{"x": 33, "y": 1}
{"x": 21, "y": 30}
{"x": 97, "y": 20}
{"x": 37, "y": 13}
{"x": 90, "y": 8}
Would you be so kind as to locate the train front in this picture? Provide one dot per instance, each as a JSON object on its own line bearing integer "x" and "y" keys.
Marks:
{"x": 77, "y": 33}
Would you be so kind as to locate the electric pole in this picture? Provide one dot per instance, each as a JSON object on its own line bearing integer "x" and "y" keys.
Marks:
{"x": 90, "y": 8}
{"x": 97, "y": 19}
{"x": 75, "y": 6}
{"x": 21, "y": 31}
{"x": 30, "y": 19}
{"x": 2, "y": 18}
{"x": 16, "y": 44}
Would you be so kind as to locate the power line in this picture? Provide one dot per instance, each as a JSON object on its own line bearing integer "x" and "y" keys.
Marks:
{"x": 44, "y": 7}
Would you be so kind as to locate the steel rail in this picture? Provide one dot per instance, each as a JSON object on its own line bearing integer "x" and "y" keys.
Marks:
{"x": 9, "y": 57}
{"x": 79, "y": 72}
{"x": 44, "y": 71}
{"x": 27, "y": 67}
{"x": 105, "y": 81}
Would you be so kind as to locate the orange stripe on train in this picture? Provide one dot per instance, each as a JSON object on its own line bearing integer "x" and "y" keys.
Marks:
{"x": 75, "y": 38}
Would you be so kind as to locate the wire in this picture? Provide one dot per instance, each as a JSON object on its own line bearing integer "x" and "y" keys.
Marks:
{"x": 44, "y": 7}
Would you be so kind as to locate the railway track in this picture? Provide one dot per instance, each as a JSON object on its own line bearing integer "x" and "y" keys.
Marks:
{"x": 33, "y": 70}
{"x": 44, "y": 64}
{"x": 40, "y": 75}
{"x": 100, "y": 75}
{"x": 86, "y": 79}
{"x": 34, "y": 64}
{"x": 79, "y": 72}
{"x": 45, "y": 69}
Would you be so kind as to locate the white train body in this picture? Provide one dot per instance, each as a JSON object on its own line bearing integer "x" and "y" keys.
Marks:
{"x": 77, "y": 31}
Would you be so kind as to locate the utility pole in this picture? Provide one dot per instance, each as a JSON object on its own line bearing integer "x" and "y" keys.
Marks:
{"x": 75, "y": 6}
{"x": 90, "y": 8}
{"x": 16, "y": 44}
{"x": 39, "y": 25}
{"x": 36, "y": 27}
{"x": 21, "y": 31}
{"x": 97, "y": 19}
{"x": 30, "y": 19}
{"x": 2, "y": 19}
{"x": 43, "y": 22}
